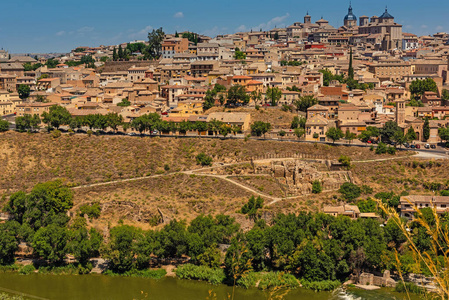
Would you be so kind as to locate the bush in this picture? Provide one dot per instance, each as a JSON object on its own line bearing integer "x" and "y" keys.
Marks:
{"x": 89, "y": 132}
{"x": 278, "y": 279}
{"x": 4, "y": 125}
{"x": 153, "y": 274}
{"x": 28, "y": 269}
{"x": 350, "y": 191}
{"x": 381, "y": 148}
{"x": 189, "y": 271}
{"x": 318, "y": 286}
{"x": 56, "y": 134}
{"x": 316, "y": 187}
{"x": 93, "y": 210}
{"x": 203, "y": 159}
{"x": 391, "y": 150}
{"x": 248, "y": 280}
{"x": 402, "y": 287}
{"x": 345, "y": 160}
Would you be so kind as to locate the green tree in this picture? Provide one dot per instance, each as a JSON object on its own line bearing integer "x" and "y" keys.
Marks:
{"x": 350, "y": 68}
{"x": 316, "y": 187}
{"x": 8, "y": 244}
{"x": 305, "y": 102}
{"x": 24, "y": 91}
{"x": 276, "y": 36}
{"x": 410, "y": 135}
{"x": 350, "y": 191}
{"x": 259, "y": 128}
{"x": 203, "y": 159}
{"x": 369, "y": 133}
{"x": 50, "y": 243}
{"x": 56, "y": 116}
{"x": 4, "y": 125}
{"x": 114, "y": 55}
{"x": 273, "y": 94}
{"x": 350, "y": 136}
{"x": 155, "y": 38}
{"x": 426, "y": 129}
{"x": 345, "y": 160}
{"x": 252, "y": 206}
{"x": 443, "y": 133}
{"x": 209, "y": 100}
{"x": 418, "y": 87}
{"x": 52, "y": 63}
{"x": 445, "y": 94}
{"x": 388, "y": 131}
{"x": 120, "y": 52}
{"x": 237, "y": 94}
{"x": 84, "y": 244}
{"x": 299, "y": 132}
{"x": 256, "y": 96}
{"x": 239, "y": 54}
{"x": 334, "y": 134}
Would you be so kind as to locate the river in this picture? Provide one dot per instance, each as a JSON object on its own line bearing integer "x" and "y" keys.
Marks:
{"x": 98, "y": 287}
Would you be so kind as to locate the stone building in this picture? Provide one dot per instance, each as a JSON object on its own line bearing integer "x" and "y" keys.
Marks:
{"x": 389, "y": 31}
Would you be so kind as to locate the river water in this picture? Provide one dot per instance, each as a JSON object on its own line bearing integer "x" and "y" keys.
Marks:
{"x": 86, "y": 287}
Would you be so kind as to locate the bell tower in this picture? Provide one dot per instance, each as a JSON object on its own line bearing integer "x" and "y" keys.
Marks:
{"x": 307, "y": 19}
{"x": 400, "y": 111}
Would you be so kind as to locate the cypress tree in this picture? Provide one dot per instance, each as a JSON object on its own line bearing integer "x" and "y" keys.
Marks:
{"x": 120, "y": 52}
{"x": 426, "y": 129}
{"x": 350, "y": 69}
{"x": 114, "y": 54}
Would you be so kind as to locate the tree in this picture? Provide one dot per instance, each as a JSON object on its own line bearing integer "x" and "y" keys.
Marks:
{"x": 84, "y": 244}
{"x": 399, "y": 138}
{"x": 256, "y": 96}
{"x": 203, "y": 159}
{"x": 120, "y": 250}
{"x": 426, "y": 129}
{"x": 120, "y": 52}
{"x": 388, "y": 131}
{"x": 305, "y": 102}
{"x": 349, "y": 136}
{"x": 350, "y": 191}
{"x": 252, "y": 206}
{"x": 237, "y": 95}
{"x": 239, "y": 54}
{"x": 350, "y": 68}
{"x": 155, "y": 38}
{"x": 369, "y": 133}
{"x": 4, "y": 125}
{"x": 8, "y": 244}
{"x": 125, "y": 102}
{"x": 418, "y": 87}
{"x": 50, "y": 243}
{"x": 445, "y": 94}
{"x": 24, "y": 91}
{"x": 276, "y": 36}
{"x": 259, "y": 128}
{"x": 299, "y": 132}
{"x": 56, "y": 116}
{"x": 295, "y": 122}
{"x": 27, "y": 122}
{"x": 316, "y": 187}
{"x": 273, "y": 94}
{"x": 410, "y": 135}
{"x": 209, "y": 100}
{"x": 334, "y": 134}
{"x": 443, "y": 133}
{"x": 345, "y": 160}
{"x": 114, "y": 55}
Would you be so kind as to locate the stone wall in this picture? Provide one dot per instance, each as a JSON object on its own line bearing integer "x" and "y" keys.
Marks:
{"x": 370, "y": 279}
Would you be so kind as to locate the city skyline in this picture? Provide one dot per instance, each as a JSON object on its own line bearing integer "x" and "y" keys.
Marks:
{"x": 91, "y": 24}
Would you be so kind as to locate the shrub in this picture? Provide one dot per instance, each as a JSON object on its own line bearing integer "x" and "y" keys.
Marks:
{"x": 350, "y": 191}
{"x": 248, "y": 280}
{"x": 166, "y": 167}
{"x": 282, "y": 133}
{"x": 56, "y": 134}
{"x": 4, "y": 125}
{"x": 403, "y": 287}
{"x": 278, "y": 279}
{"x": 28, "y": 269}
{"x": 89, "y": 132}
{"x": 391, "y": 150}
{"x": 203, "y": 159}
{"x": 93, "y": 210}
{"x": 381, "y": 148}
{"x": 345, "y": 160}
{"x": 189, "y": 271}
{"x": 316, "y": 187}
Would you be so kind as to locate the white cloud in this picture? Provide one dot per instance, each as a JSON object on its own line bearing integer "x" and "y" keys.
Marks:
{"x": 60, "y": 33}
{"x": 424, "y": 26}
{"x": 241, "y": 28}
{"x": 439, "y": 28}
{"x": 141, "y": 33}
{"x": 276, "y": 21}
{"x": 179, "y": 15}
{"x": 85, "y": 29}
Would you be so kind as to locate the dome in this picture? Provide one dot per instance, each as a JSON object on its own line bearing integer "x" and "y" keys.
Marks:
{"x": 350, "y": 16}
{"x": 386, "y": 15}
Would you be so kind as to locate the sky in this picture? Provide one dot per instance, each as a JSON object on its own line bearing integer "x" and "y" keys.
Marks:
{"x": 46, "y": 26}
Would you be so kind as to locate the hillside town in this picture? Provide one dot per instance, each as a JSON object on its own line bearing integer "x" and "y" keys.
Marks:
{"x": 362, "y": 74}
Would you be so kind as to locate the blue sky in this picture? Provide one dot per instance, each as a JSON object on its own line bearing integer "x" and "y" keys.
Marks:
{"x": 60, "y": 25}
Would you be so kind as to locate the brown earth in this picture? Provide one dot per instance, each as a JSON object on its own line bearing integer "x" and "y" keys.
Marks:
{"x": 27, "y": 159}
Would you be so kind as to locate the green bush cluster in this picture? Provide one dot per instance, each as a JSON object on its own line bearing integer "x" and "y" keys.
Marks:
{"x": 189, "y": 271}
{"x": 319, "y": 286}
{"x": 92, "y": 210}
